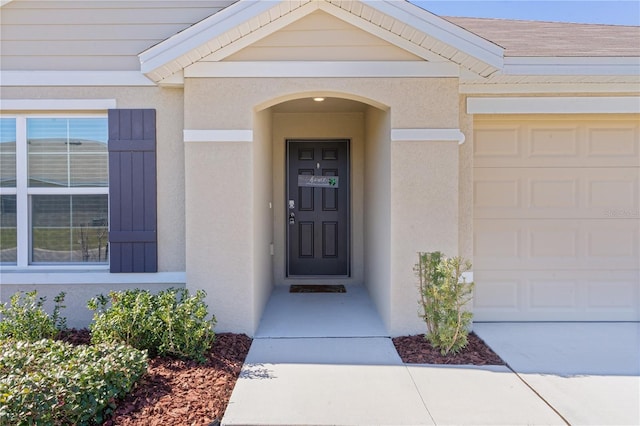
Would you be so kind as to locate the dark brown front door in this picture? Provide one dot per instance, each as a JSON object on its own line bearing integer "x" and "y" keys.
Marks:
{"x": 317, "y": 208}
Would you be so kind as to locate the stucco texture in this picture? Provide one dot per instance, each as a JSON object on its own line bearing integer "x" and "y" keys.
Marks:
{"x": 412, "y": 207}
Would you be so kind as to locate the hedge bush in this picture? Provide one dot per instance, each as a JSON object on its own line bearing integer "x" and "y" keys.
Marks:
{"x": 25, "y": 318}
{"x": 54, "y": 383}
{"x": 170, "y": 323}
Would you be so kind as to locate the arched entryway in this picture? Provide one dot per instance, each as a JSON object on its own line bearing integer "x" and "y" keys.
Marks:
{"x": 309, "y": 127}
{"x": 403, "y": 185}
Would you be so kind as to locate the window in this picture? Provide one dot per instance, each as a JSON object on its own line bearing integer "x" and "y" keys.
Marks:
{"x": 53, "y": 190}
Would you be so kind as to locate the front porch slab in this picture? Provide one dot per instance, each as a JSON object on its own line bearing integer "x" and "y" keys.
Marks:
{"x": 350, "y": 314}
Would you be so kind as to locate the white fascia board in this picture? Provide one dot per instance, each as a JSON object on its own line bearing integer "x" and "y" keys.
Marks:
{"x": 555, "y": 105}
{"x": 323, "y": 69}
{"x": 202, "y": 32}
{"x": 441, "y": 29}
{"x": 571, "y": 66}
{"x": 218, "y": 135}
{"x": 421, "y": 135}
{"x": 73, "y": 78}
{"x": 57, "y": 104}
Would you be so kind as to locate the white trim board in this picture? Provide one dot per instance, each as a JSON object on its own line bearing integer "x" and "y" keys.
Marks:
{"x": 74, "y": 78}
{"x": 571, "y": 66}
{"x": 421, "y": 135}
{"x": 57, "y": 104}
{"x": 342, "y": 69}
{"x": 547, "y": 88}
{"x": 555, "y": 105}
{"x": 218, "y": 135}
{"x": 72, "y": 276}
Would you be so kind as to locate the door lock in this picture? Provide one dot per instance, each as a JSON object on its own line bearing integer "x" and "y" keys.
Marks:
{"x": 292, "y": 218}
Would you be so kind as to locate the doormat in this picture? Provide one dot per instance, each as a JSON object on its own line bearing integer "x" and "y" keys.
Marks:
{"x": 317, "y": 288}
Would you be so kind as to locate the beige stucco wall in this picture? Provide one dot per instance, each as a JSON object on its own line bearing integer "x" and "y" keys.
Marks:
{"x": 377, "y": 221}
{"x": 465, "y": 184}
{"x": 226, "y": 103}
{"x": 424, "y": 217}
{"x": 263, "y": 208}
{"x": 408, "y": 203}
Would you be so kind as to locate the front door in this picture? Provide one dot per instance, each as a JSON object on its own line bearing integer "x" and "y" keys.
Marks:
{"x": 317, "y": 208}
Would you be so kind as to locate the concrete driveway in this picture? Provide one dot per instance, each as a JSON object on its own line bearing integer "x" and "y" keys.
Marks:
{"x": 589, "y": 373}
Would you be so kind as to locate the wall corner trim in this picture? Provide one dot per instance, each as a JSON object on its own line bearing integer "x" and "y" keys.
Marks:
{"x": 218, "y": 135}
{"x": 427, "y": 135}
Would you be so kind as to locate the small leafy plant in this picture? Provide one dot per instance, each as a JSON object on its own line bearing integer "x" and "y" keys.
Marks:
{"x": 170, "y": 323}
{"x": 50, "y": 382}
{"x": 444, "y": 294}
{"x": 25, "y": 318}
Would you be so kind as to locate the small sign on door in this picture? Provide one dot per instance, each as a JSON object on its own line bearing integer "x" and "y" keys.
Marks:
{"x": 318, "y": 181}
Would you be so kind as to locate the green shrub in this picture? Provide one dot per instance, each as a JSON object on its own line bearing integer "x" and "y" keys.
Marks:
{"x": 444, "y": 294}
{"x": 25, "y": 319}
{"x": 170, "y": 323}
{"x": 54, "y": 383}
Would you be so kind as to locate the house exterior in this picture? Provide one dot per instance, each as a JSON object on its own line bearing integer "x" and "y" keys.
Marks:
{"x": 157, "y": 144}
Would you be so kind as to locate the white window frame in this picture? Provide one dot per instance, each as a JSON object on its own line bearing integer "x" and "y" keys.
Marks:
{"x": 23, "y": 194}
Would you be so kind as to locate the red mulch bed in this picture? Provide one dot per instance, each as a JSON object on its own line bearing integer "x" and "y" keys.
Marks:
{"x": 185, "y": 393}
{"x": 180, "y": 393}
{"x": 417, "y": 350}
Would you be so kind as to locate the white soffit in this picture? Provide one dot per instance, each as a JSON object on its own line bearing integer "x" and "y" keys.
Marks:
{"x": 554, "y": 105}
{"x": 247, "y": 21}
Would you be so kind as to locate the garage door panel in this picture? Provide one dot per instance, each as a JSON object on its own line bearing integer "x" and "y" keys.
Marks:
{"x": 557, "y": 218}
{"x": 556, "y": 295}
{"x": 517, "y": 244}
{"x": 556, "y": 193}
{"x": 572, "y": 143}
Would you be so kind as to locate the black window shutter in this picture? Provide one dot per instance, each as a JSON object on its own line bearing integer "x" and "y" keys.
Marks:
{"x": 133, "y": 243}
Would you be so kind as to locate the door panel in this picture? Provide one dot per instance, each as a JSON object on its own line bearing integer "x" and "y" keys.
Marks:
{"x": 318, "y": 209}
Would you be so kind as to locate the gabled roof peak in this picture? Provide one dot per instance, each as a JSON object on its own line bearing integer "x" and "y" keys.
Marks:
{"x": 247, "y": 21}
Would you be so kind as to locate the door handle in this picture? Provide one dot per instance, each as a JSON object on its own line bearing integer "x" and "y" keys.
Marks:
{"x": 292, "y": 218}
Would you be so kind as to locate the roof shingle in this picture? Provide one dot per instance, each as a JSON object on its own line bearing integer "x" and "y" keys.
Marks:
{"x": 534, "y": 38}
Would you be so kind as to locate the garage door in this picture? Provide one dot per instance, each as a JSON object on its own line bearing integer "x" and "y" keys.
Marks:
{"x": 557, "y": 218}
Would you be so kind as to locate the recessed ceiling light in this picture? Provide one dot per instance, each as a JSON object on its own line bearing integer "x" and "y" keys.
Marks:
{"x": 318, "y": 99}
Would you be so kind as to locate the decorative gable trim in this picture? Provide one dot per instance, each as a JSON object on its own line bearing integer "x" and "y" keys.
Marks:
{"x": 247, "y": 21}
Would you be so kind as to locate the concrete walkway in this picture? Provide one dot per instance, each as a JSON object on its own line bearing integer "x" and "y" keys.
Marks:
{"x": 324, "y": 359}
